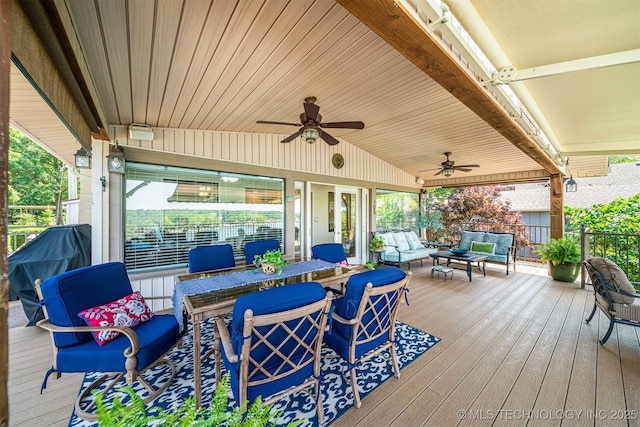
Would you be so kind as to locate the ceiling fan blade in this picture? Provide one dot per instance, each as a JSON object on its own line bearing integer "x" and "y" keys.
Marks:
{"x": 311, "y": 111}
{"x": 428, "y": 170}
{"x": 462, "y": 169}
{"x": 329, "y": 139}
{"x": 343, "y": 125}
{"x": 292, "y": 137}
{"x": 466, "y": 166}
{"x": 267, "y": 122}
{"x": 436, "y": 174}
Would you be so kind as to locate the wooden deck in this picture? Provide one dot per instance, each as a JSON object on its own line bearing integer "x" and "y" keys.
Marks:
{"x": 515, "y": 350}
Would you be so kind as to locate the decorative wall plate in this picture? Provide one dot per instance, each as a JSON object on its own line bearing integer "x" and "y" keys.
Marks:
{"x": 337, "y": 160}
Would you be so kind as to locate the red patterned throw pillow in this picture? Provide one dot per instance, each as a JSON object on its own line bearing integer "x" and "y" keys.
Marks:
{"x": 128, "y": 311}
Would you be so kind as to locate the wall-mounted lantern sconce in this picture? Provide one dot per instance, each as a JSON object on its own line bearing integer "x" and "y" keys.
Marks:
{"x": 115, "y": 160}
{"x": 83, "y": 159}
{"x": 419, "y": 181}
{"x": 571, "y": 186}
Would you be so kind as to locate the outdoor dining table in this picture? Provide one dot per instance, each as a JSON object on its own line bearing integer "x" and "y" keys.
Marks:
{"x": 212, "y": 294}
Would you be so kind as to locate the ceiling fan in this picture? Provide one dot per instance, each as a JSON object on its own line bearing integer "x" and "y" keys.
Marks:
{"x": 311, "y": 126}
{"x": 448, "y": 167}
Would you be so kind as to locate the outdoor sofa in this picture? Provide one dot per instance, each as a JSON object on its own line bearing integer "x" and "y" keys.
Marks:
{"x": 402, "y": 247}
{"x": 498, "y": 246}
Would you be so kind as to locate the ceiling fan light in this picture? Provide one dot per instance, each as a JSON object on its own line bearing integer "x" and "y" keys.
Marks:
{"x": 310, "y": 135}
{"x": 447, "y": 172}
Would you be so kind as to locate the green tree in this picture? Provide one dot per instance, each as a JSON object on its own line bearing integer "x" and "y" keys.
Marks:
{"x": 623, "y": 159}
{"x": 396, "y": 209}
{"x": 35, "y": 176}
{"x": 620, "y": 216}
{"x": 430, "y": 216}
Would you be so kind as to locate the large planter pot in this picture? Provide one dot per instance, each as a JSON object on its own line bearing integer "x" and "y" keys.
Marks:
{"x": 567, "y": 272}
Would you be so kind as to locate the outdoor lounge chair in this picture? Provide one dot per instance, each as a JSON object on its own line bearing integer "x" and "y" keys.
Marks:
{"x": 211, "y": 257}
{"x": 613, "y": 294}
{"x": 363, "y": 322}
{"x": 272, "y": 346}
{"x": 102, "y": 295}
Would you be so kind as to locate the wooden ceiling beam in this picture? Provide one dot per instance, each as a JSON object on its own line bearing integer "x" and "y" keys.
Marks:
{"x": 389, "y": 21}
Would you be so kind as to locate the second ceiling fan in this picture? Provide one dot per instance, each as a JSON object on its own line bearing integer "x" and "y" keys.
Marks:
{"x": 448, "y": 167}
{"x": 311, "y": 126}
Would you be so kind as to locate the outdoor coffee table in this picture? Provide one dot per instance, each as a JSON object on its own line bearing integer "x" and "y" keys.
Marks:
{"x": 468, "y": 258}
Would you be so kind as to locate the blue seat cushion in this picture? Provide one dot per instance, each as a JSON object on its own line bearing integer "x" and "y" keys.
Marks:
{"x": 347, "y": 306}
{"x": 330, "y": 252}
{"x": 267, "y": 389}
{"x": 66, "y": 294}
{"x": 259, "y": 247}
{"x": 157, "y": 336}
{"x": 212, "y": 257}
{"x": 341, "y": 344}
{"x": 340, "y": 336}
{"x": 273, "y": 300}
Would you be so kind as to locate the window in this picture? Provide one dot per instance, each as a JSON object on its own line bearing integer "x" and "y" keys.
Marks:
{"x": 169, "y": 210}
{"x": 396, "y": 210}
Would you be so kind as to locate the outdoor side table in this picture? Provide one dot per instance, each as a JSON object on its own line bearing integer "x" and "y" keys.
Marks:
{"x": 442, "y": 269}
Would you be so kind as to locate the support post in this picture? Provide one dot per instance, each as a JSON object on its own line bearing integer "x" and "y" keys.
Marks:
{"x": 556, "y": 207}
{"x": 5, "y": 73}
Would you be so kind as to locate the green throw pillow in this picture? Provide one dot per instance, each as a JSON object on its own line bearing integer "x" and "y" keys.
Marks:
{"x": 483, "y": 247}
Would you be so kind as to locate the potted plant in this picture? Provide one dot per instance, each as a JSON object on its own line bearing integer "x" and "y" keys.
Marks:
{"x": 563, "y": 257}
{"x": 370, "y": 265}
{"x": 270, "y": 262}
{"x": 376, "y": 244}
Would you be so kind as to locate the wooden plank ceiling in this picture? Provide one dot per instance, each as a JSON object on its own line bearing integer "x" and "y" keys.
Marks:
{"x": 222, "y": 65}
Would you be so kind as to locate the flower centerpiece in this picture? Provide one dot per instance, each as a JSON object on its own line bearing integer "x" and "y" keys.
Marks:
{"x": 563, "y": 257}
{"x": 270, "y": 262}
{"x": 376, "y": 244}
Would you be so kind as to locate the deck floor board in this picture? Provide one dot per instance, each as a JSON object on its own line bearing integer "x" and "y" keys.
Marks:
{"x": 515, "y": 349}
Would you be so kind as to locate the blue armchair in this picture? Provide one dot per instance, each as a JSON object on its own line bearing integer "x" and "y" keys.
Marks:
{"x": 330, "y": 252}
{"x": 364, "y": 319}
{"x": 259, "y": 247}
{"x": 272, "y": 346}
{"x": 212, "y": 257}
{"x": 76, "y": 348}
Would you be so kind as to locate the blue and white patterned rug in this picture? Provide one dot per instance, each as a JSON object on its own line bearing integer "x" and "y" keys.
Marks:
{"x": 337, "y": 396}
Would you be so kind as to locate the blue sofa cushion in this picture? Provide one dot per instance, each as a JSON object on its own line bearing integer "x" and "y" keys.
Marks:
{"x": 413, "y": 240}
{"x": 401, "y": 241}
{"x": 503, "y": 242}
